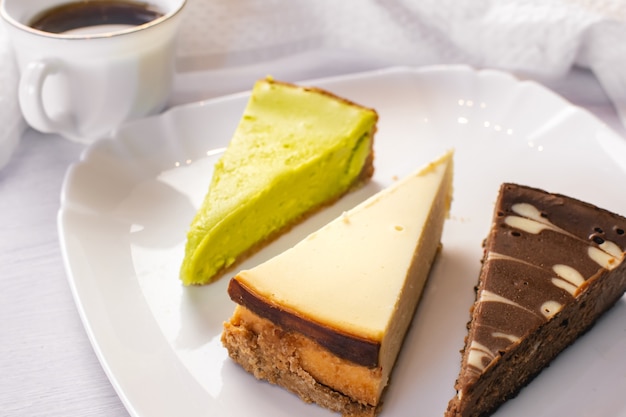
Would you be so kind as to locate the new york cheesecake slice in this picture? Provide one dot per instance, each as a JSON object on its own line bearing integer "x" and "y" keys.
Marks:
{"x": 294, "y": 150}
{"x": 552, "y": 265}
{"x": 326, "y": 318}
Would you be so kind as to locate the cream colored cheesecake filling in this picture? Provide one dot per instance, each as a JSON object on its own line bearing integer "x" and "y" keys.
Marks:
{"x": 363, "y": 273}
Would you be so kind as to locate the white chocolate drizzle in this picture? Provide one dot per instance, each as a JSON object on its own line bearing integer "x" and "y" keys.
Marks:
{"x": 569, "y": 279}
{"x": 488, "y": 296}
{"x": 477, "y": 352}
{"x": 550, "y": 308}
{"x": 612, "y": 249}
{"x": 566, "y": 286}
{"x": 531, "y": 220}
{"x": 491, "y": 256}
{"x": 608, "y": 255}
{"x": 603, "y": 258}
{"x": 511, "y": 337}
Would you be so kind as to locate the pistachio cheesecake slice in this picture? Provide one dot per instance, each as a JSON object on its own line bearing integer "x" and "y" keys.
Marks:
{"x": 295, "y": 149}
{"x": 552, "y": 265}
{"x": 326, "y": 319}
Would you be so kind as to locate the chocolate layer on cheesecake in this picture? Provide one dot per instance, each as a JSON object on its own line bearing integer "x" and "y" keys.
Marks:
{"x": 355, "y": 349}
{"x": 552, "y": 266}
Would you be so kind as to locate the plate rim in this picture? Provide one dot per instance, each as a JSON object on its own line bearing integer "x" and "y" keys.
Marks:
{"x": 67, "y": 206}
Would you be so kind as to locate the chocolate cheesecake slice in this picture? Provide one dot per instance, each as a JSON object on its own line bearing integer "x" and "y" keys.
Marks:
{"x": 552, "y": 265}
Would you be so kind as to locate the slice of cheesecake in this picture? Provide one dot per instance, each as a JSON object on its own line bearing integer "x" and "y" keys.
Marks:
{"x": 552, "y": 266}
{"x": 295, "y": 149}
{"x": 327, "y": 318}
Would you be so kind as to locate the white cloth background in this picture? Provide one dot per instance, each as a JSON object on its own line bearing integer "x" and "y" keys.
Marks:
{"x": 535, "y": 38}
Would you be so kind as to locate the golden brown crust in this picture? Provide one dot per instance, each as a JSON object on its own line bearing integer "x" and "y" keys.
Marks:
{"x": 300, "y": 365}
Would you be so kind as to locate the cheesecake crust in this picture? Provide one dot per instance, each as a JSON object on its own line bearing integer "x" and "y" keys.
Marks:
{"x": 302, "y": 366}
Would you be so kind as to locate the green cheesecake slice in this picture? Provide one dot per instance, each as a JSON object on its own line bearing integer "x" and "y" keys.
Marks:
{"x": 295, "y": 149}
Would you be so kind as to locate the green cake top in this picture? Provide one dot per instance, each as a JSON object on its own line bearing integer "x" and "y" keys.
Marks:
{"x": 294, "y": 149}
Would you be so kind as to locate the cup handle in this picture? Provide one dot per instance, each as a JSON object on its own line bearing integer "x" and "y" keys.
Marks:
{"x": 30, "y": 93}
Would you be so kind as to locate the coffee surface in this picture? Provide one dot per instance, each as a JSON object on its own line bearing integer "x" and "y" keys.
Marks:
{"x": 78, "y": 15}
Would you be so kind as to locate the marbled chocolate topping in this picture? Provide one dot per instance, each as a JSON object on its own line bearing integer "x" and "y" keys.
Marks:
{"x": 542, "y": 252}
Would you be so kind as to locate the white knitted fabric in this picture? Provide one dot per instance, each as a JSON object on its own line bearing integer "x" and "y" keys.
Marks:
{"x": 537, "y": 38}
{"x": 540, "y": 38}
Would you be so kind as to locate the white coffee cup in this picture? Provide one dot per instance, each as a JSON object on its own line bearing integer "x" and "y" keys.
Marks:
{"x": 83, "y": 85}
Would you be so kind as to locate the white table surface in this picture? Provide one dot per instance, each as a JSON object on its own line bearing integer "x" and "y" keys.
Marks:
{"x": 47, "y": 365}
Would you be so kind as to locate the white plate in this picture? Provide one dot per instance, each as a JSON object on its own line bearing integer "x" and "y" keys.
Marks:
{"x": 127, "y": 204}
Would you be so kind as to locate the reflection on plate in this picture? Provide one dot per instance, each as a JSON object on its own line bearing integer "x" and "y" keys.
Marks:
{"x": 127, "y": 204}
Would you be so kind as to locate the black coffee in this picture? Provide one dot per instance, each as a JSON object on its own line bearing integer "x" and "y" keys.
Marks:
{"x": 83, "y": 14}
